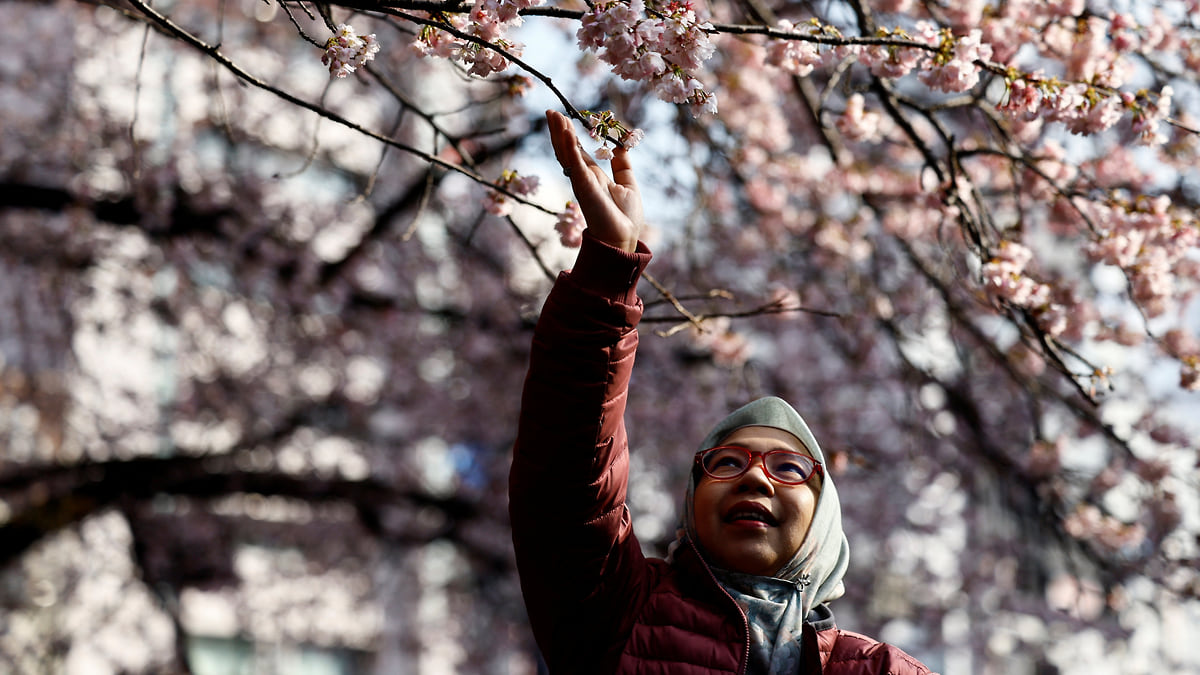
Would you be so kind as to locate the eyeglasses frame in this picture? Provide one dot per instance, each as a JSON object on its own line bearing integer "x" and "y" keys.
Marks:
{"x": 818, "y": 467}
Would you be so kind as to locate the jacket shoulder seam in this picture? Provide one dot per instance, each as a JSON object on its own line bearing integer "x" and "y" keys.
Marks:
{"x": 859, "y": 651}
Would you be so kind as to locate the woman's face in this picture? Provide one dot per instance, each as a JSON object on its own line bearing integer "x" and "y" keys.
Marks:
{"x": 752, "y": 524}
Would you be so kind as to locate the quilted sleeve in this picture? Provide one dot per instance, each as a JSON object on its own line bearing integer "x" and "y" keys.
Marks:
{"x": 576, "y": 554}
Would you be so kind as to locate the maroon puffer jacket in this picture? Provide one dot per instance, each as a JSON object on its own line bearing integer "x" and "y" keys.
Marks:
{"x": 596, "y": 604}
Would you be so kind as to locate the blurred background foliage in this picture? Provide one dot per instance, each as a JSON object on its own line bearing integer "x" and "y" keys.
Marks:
{"x": 260, "y": 373}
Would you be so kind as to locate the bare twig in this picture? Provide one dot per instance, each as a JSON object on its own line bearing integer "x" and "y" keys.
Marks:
{"x": 214, "y": 53}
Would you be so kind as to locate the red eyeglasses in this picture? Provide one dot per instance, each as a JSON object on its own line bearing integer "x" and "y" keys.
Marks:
{"x": 727, "y": 462}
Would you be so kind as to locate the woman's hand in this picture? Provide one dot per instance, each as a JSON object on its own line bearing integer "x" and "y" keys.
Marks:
{"x": 611, "y": 207}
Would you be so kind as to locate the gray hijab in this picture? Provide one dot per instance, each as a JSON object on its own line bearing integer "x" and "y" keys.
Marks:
{"x": 775, "y": 610}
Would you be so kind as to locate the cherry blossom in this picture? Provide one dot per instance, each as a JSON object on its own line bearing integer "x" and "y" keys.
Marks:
{"x": 1024, "y": 99}
{"x": 857, "y": 124}
{"x": 892, "y": 61}
{"x": 729, "y": 348}
{"x": 488, "y": 20}
{"x": 666, "y": 49}
{"x": 570, "y": 225}
{"x": 954, "y": 68}
{"x": 604, "y": 126}
{"x": 1004, "y": 277}
{"x": 1149, "y": 114}
{"x": 797, "y": 57}
{"x": 497, "y": 203}
{"x": 346, "y": 51}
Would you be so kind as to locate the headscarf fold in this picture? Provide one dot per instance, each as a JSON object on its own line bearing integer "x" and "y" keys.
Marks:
{"x": 813, "y": 575}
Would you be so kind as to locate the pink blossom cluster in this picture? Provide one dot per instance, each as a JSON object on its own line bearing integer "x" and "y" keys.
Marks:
{"x": 798, "y": 57}
{"x": 346, "y": 51}
{"x": 1093, "y": 51}
{"x": 1005, "y": 280}
{"x": 855, "y": 123}
{"x": 1149, "y": 241}
{"x": 801, "y": 57}
{"x": 666, "y": 49}
{"x": 1147, "y": 116}
{"x": 497, "y": 203}
{"x": 518, "y": 85}
{"x": 1093, "y": 114}
{"x": 1088, "y": 522}
{"x": 1186, "y": 348}
{"x": 434, "y": 42}
{"x": 752, "y": 106}
{"x": 570, "y": 225}
{"x": 1158, "y": 34}
{"x": 490, "y": 21}
{"x": 603, "y": 126}
{"x": 1024, "y": 99}
{"x": 891, "y": 61}
{"x": 728, "y": 347}
{"x": 953, "y": 68}
{"x": 1085, "y": 109}
{"x": 1094, "y": 48}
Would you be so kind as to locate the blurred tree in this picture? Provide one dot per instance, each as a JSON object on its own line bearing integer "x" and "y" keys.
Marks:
{"x": 268, "y": 272}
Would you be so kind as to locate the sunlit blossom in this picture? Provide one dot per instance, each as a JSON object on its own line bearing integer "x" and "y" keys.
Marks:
{"x": 664, "y": 51}
{"x": 570, "y": 225}
{"x": 955, "y": 68}
{"x": 346, "y": 51}
{"x": 798, "y": 57}
{"x": 499, "y": 204}
{"x": 1004, "y": 277}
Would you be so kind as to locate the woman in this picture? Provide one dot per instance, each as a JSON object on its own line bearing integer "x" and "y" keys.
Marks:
{"x": 761, "y": 550}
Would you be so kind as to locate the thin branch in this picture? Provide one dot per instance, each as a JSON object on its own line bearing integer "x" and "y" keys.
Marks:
{"x": 408, "y": 104}
{"x": 370, "y": 186}
{"x": 311, "y": 156}
{"x": 545, "y": 79}
{"x": 666, "y": 294}
{"x": 137, "y": 97}
{"x": 422, "y": 206}
{"x": 214, "y": 53}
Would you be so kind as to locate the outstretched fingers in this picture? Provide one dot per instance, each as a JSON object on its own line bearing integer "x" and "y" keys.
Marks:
{"x": 566, "y": 146}
{"x": 588, "y": 179}
{"x": 622, "y": 169}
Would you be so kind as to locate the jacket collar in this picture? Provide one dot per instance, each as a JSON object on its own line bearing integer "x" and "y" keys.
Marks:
{"x": 820, "y": 627}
